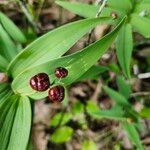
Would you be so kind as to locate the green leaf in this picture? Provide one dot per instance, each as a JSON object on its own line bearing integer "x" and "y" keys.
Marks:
{"x": 114, "y": 67}
{"x": 12, "y": 29}
{"x": 77, "y": 108}
{"x": 123, "y": 5}
{"x": 141, "y": 25}
{"x": 143, "y": 9}
{"x": 3, "y": 64}
{"x": 7, "y": 114}
{"x": 124, "y": 47}
{"x": 62, "y": 134}
{"x": 133, "y": 134}
{"x": 145, "y": 112}
{"x": 91, "y": 106}
{"x": 115, "y": 112}
{"x": 7, "y": 47}
{"x": 124, "y": 87}
{"x": 117, "y": 97}
{"x": 63, "y": 117}
{"x": 15, "y": 122}
{"x": 21, "y": 127}
{"x": 93, "y": 72}
{"x": 86, "y": 10}
{"x": 5, "y": 91}
{"x": 71, "y": 63}
{"x": 88, "y": 145}
{"x": 53, "y": 44}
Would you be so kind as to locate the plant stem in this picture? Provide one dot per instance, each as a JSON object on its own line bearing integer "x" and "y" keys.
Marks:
{"x": 97, "y": 15}
{"x": 28, "y": 15}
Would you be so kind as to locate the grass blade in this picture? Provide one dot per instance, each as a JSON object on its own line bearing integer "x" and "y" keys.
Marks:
{"x": 141, "y": 25}
{"x": 124, "y": 87}
{"x": 124, "y": 47}
{"x": 21, "y": 127}
{"x": 118, "y": 98}
{"x": 3, "y": 64}
{"x": 7, "y": 48}
{"x": 7, "y": 114}
{"x": 133, "y": 135}
{"x": 12, "y": 29}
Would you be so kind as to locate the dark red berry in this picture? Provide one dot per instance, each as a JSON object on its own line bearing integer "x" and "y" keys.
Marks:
{"x": 40, "y": 82}
{"x": 114, "y": 15}
{"x": 56, "y": 93}
{"x": 61, "y": 72}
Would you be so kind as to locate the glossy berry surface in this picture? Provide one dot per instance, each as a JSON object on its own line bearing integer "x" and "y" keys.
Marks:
{"x": 61, "y": 72}
{"x": 114, "y": 15}
{"x": 56, "y": 93}
{"x": 40, "y": 82}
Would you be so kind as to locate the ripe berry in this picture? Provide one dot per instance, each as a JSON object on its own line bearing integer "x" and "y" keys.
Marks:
{"x": 40, "y": 82}
{"x": 114, "y": 15}
{"x": 61, "y": 72}
{"x": 56, "y": 93}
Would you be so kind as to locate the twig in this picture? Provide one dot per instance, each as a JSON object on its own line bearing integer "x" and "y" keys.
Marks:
{"x": 140, "y": 94}
{"x": 97, "y": 2}
{"x": 97, "y": 91}
{"x": 97, "y": 15}
{"x": 144, "y": 75}
{"x": 101, "y": 8}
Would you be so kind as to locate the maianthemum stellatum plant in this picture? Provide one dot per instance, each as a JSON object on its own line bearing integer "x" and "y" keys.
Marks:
{"x": 33, "y": 70}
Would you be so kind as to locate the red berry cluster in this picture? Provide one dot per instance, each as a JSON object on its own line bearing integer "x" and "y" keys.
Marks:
{"x": 41, "y": 82}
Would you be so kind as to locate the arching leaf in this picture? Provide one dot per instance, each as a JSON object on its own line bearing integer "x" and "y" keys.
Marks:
{"x": 76, "y": 64}
{"x": 53, "y": 44}
{"x": 12, "y": 29}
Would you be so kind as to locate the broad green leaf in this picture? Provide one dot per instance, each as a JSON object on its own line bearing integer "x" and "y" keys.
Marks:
{"x": 3, "y": 64}
{"x": 123, "y": 5}
{"x": 62, "y": 134}
{"x": 115, "y": 112}
{"x": 12, "y": 29}
{"x": 7, "y": 47}
{"x": 86, "y": 10}
{"x": 7, "y": 114}
{"x": 117, "y": 97}
{"x": 71, "y": 63}
{"x": 30, "y": 145}
{"x": 60, "y": 119}
{"x": 5, "y": 91}
{"x": 3, "y": 86}
{"x": 145, "y": 112}
{"x": 53, "y": 44}
{"x": 124, "y": 46}
{"x": 21, "y": 127}
{"x": 141, "y": 25}
{"x": 93, "y": 72}
{"x": 88, "y": 145}
{"x": 124, "y": 87}
{"x": 143, "y": 9}
{"x": 15, "y": 122}
{"x": 133, "y": 135}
